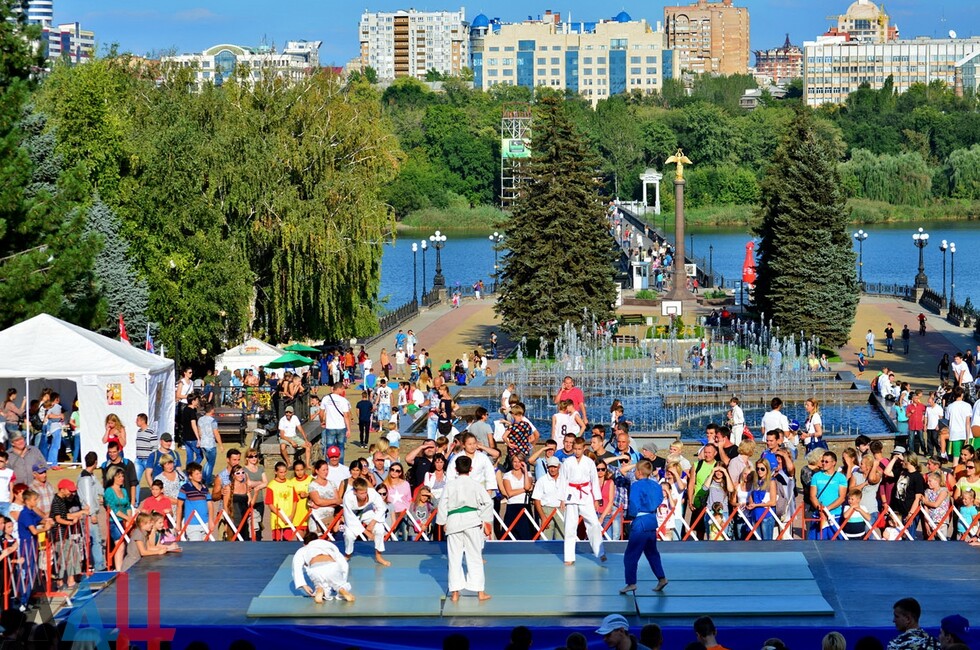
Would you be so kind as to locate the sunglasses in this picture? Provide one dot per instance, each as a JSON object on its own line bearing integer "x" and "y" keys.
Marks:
{"x": 762, "y": 468}
{"x": 251, "y": 456}
{"x": 971, "y": 466}
{"x": 396, "y": 471}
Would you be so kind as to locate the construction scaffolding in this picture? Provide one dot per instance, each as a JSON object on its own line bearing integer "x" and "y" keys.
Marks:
{"x": 515, "y": 151}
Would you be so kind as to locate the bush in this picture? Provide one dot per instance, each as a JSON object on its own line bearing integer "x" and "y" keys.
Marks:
{"x": 646, "y": 294}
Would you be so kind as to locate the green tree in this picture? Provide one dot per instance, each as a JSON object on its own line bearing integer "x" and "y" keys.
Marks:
{"x": 371, "y": 75}
{"x": 122, "y": 289}
{"x": 559, "y": 263}
{"x": 807, "y": 281}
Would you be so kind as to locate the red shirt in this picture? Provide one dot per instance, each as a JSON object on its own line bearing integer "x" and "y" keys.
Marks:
{"x": 916, "y": 412}
{"x": 575, "y": 394}
{"x": 159, "y": 504}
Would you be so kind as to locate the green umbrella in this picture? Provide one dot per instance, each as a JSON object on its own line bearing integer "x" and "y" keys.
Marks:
{"x": 302, "y": 347}
{"x": 290, "y": 360}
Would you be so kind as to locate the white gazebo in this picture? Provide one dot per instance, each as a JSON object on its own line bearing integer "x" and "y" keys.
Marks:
{"x": 107, "y": 376}
{"x": 652, "y": 176}
{"x": 250, "y": 354}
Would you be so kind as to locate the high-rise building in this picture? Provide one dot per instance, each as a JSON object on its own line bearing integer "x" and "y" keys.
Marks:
{"x": 596, "y": 59}
{"x": 779, "y": 65}
{"x": 69, "y": 42}
{"x": 863, "y": 22}
{"x": 709, "y": 36}
{"x": 298, "y": 60}
{"x": 40, "y": 12}
{"x": 410, "y": 43}
{"x": 835, "y": 67}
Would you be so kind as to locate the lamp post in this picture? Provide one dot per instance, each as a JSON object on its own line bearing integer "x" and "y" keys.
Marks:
{"x": 921, "y": 240}
{"x": 952, "y": 274}
{"x": 438, "y": 241}
{"x": 943, "y": 247}
{"x": 711, "y": 265}
{"x": 415, "y": 272}
{"x": 425, "y": 247}
{"x": 496, "y": 238}
{"x": 692, "y": 245}
{"x": 860, "y": 236}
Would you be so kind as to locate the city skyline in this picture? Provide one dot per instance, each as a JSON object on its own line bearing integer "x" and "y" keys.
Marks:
{"x": 187, "y": 26}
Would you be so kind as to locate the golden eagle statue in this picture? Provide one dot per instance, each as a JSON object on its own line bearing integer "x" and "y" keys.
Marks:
{"x": 681, "y": 160}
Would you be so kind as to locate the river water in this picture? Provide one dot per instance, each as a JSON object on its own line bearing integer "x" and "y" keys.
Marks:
{"x": 889, "y": 257}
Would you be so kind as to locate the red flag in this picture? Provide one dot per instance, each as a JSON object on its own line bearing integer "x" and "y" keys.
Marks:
{"x": 749, "y": 275}
{"x": 123, "y": 336}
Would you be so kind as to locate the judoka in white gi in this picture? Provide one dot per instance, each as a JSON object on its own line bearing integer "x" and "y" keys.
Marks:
{"x": 364, "y": 512}
{"x": 482, "y": 466}
{"x": 463, "y": 509}
{"x": 578, "y": 485}
{"x": 326, "y": 568}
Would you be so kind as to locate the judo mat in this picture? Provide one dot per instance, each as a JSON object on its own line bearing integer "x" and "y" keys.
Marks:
{"x": 532, "y": 584}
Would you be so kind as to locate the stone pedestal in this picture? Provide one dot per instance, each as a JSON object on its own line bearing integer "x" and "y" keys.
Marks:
{"x": 679, "y": 290}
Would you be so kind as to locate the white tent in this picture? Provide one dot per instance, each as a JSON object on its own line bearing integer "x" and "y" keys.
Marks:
{"x": 109, "y": 376}
{"x": 250, "y": 354}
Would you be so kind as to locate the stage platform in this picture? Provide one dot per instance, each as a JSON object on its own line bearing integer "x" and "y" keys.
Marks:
{"x": 797, "y": 591}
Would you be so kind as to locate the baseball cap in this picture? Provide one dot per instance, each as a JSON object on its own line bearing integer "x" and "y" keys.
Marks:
{"x": 40, "y": 468}
{"x": 166, "y": 437}
{"x": 290, "y": 409}
{"x": 794, "y": 425}
{"x": 651, "y": 447}
{"x": 955, "y": 625}
{"x": 67, "y": 484}
{"x": 333, "y": 451}
{"x": 611, "y": 623}
{"x": 899, "y": 449}
{"x": 16, "y": 435}
{"x": 553, "y": 462}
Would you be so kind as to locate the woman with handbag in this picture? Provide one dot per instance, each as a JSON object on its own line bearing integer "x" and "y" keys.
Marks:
{"x": 813, "y": 438}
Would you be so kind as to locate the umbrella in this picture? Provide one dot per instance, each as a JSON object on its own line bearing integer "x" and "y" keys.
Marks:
{"x": 748, "y": 269}
{"x": 301, "y": 347}
{"x": 290, "y": 360}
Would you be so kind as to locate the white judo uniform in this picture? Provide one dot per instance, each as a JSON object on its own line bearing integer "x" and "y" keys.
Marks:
{"x": 355, "y": 516}
{"x": 482, "y": 471}
{"x": 578, "y": 487}
{"x": 331, "y": 576}
{"x": 463, "y": 509}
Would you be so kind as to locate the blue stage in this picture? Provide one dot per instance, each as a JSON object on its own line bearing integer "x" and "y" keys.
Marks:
{"x": 797, "y": 591}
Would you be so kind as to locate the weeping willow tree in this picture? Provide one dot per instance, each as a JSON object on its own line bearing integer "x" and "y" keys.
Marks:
{"x": 250, "y": 208}
{"x": 903, "y": 179}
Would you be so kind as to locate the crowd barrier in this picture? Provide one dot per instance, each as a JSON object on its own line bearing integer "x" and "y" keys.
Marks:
{"x": 37, "y": 573}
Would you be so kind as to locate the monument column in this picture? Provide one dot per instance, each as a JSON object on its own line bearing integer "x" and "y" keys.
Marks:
{"x": 679, "y": 290}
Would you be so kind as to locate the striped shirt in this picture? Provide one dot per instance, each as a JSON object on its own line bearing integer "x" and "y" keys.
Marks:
{"x": 146, "y": 442}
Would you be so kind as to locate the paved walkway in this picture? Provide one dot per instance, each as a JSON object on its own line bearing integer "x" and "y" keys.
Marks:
{"x": 919, "y": 366}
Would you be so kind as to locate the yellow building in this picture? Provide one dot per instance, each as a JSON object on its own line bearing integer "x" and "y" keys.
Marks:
{"x": 709, "y": 37}
{"x": 595, "y": 59}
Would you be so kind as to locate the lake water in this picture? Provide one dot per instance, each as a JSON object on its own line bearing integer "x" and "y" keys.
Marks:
{"x": 889, "y": 257}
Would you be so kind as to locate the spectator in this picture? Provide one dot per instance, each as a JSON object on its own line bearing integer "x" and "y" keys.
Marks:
{"x": 953, "y": 629}
{"x": 651, "y": 636}
{"x": 281, "y": 498}
{"x": 209, "y": 442}
{"x": 153, "y": 463}
{"x": 146, "y": 444}
{"x": 615, "y": 632}
{"x": 834, "y": 641}
{"x": 196, "y": 507}
{"x": 67, "y": 512}
{"x": 22, "y": 457}
{"x": 117, "y": 503}
{"x": 906, "y": 613}
{"x": 91, "y": 494}
{"x": 125, "y": 465}
{"x": 45, "y": 492}
{"x": 705, "y": 630}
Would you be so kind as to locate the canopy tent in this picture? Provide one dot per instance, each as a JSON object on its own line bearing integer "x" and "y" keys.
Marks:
{"x": 302, "y": 348}
{"x": 250, "y": 354}
{"x": 109, "y": 376}
{"x": 290, "y": 360}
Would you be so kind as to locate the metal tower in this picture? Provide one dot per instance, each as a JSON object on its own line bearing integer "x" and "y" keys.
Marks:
{"x": 515, "y": 151}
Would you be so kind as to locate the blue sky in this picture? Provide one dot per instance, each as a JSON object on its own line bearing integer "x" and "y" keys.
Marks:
{"x": 141, "y": 26}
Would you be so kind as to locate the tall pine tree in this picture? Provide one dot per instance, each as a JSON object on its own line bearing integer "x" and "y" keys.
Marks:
{"x": 560, "y": 258}
{"x": 123, "y": 290}
{"x": 807, "y": 282}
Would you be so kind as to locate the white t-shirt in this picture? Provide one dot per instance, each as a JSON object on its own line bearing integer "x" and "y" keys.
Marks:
{"x": 288, "y": 425}
{"x": 934, "y": 413}
{"x": 384, "y": 394}
{"x": 338, "y": 474}
{"x": 957, "y": 413}
{"x": 957, "y": 368}
{"x": 334, "y": 407}
{"x": 774, "y": 420}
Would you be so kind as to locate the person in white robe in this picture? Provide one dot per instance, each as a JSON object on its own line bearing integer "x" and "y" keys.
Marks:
{"x": 325, "y": 566}
{"x": 463, "y": 509}
{"x": 578, "y": 486}
{"x": 364, "y": 513}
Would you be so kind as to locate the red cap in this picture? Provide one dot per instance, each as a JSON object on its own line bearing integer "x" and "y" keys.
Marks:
{"x": 67, "y": 484}
{"x": 333, "y": 451}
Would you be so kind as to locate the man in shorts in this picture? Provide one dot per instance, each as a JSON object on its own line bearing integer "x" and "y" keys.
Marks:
{"x": 291, "y": 435}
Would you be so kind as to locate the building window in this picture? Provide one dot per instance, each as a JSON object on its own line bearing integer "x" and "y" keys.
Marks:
{"x": 600, "y": 60}
{"x": 508, "y": 72}
{"x": 541, "y": 60}
{"x": 508, "y": 61}
{"x": 635, "y": 59}
{"x": 555, "y": 60}
{"x": 587, "y": 71}
{"x": 588, "y": 60}
{"x": 554, "y": 71}
{"x": 601, "y": 72}
{"x": 494, "y": 48}
{"x": 635, "y": 71}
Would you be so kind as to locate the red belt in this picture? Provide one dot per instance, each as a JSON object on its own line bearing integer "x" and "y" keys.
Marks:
{"x": 579, "y": 486}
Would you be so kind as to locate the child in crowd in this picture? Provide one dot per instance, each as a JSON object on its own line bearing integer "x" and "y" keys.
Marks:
{"x": 364, "y": 410}
{"x": 967, "y": 513}
{"x": 856, "y": 518}
{"x": 421, "y": 509}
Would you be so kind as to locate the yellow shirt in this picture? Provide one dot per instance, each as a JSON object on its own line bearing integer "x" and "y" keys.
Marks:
{"x": 301, "y": 519}
{"x": 282, "y": 495}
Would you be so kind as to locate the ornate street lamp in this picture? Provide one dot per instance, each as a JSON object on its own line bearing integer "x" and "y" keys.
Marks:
{"x": 438, "y": 241}
{"x": 952, "y": 274}
{"x": 860, "y": 236}
{"x": 943, "y": 247}
{"x": 415, "y": 272}
{"x": 921, "y": 240}
{"x": 496, "y": 238}
{"x": 425, "y": 247}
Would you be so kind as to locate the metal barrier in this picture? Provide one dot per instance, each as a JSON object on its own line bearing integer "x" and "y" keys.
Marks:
{"x": 884, "y": 289}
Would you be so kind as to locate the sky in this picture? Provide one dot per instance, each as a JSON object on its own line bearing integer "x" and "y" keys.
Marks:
{"x": 142, "y": 27}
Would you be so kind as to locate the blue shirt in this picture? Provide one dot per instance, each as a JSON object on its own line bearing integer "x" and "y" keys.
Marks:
{"x": 195, "y": 500}
{"x": 646, "y": 495}
{"x": 827, "y": 494}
